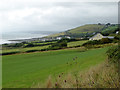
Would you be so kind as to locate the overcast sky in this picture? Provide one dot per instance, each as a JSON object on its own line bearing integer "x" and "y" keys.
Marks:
{"x": 57, "y": 15}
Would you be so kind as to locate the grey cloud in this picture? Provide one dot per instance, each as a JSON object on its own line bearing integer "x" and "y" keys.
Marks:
{"x": 56, "y": 15}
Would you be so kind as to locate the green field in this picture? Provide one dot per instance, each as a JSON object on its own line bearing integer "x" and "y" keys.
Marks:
{"x": 76, "y": 43}
{"x": 22, "y": 70}
{"x": 22, "y": 50}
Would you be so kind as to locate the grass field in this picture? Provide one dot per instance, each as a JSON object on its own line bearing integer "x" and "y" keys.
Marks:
{"x": 25, "y": 70}
{"x": 25, "y": 49}
{"x": 76, "y": 43}
{"x": 22, "y": 50}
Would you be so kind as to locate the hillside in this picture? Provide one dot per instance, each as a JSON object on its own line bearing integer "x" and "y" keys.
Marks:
{"x": 85, "y": 30}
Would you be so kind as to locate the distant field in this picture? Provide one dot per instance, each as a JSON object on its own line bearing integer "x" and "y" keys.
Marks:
{"x": 25, "y": 49}
{"x": 25, "y": 70}
{"x": 76, "y": 43}
{"x": 22, "y": 50}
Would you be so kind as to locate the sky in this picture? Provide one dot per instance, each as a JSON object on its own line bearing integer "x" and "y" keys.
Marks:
{"x": 55, "y": 15}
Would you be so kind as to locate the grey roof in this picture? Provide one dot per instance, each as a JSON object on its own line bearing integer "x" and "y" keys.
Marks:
{"x": 111, "y": 37}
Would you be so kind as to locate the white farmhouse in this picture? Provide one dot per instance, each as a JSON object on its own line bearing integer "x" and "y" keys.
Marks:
{"x": 68, "y": 37}
{"x": 59, "y": 38}
{"x": 99, "y": 36}
{"x": 117, "y": 32}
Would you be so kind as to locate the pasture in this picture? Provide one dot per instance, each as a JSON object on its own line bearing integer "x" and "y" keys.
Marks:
{"x": 23, "y": 50}
{"x": 27, "y": 69}
{"x": 76, "y": 43}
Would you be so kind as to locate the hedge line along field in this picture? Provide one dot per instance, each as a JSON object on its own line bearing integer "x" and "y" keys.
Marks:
{"x": 22, "y": 50}
{"x": 25, "y": 70}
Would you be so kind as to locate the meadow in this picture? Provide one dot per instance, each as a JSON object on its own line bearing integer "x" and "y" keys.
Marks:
{"x": 38, "y": 48}
{"x": 76, "y": 43}
{"x": 23, "y": 50}
{"x": 26, "y": 70}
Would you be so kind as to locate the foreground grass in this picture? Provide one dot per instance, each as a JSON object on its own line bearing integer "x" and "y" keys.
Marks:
{"x": 25, "y": 70}
{"x": 104, "y": 75}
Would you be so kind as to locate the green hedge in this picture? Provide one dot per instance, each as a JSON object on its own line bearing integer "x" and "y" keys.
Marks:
{"x": 9, "y": 53}
{"x": 114, "y": 54}
{"x": 97, "y": 42}
{"x": 32, "y": 50}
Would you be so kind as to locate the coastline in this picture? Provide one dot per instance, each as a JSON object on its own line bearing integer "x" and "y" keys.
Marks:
{"x": 19, "y": 40}
{"x": 17, "y": 37}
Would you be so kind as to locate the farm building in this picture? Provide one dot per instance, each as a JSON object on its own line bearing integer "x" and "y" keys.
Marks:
{"x": 99, "y": 36}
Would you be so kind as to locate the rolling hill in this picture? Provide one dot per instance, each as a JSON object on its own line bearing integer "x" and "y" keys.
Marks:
{"x": 85, "y": 30}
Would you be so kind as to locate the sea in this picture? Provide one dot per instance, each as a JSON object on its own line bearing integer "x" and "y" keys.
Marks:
{"x": 6, "y": 36}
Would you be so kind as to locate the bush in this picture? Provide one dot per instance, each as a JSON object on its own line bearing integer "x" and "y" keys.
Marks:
{"x": 30, "y": 45}
{"x": 14, "y": 45}
{"x": 32, "y": 50}
{"x": 113, "y": 54}
{"x": 44, "y": 50}
{"x": 97, "y": 42}
{"x": 9, "y": 53}
{"x": 59, "y": 45}
{"x": 105, "y": 40}
{"x": 54, "y": 48}
{"x": 91, "y": 43}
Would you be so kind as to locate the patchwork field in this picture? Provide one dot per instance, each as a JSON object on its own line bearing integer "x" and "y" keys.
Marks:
{"x": 26, "y": 70}
{"x": 38, "y": 48}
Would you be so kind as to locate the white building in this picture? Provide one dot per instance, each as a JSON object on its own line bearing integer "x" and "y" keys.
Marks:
{"x": 59, "y": 38}
{"x": 99, "y": 36}
{"x": 117, "y": 32}
{"x": 68, "y": 37}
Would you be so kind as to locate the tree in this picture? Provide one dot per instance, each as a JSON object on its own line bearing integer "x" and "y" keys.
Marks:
{"x": 105, "y": 40}
{"x": 30, "y": 45}
{"x": 108, "y": 24}
{"x": 99, "y": 23}
{"x": 58, "y": 45}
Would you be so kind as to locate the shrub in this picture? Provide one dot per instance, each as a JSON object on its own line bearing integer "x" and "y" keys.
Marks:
{"x": 97, "y": 42}
{"x": 114, "y": 54}
{"x": 91, "y": 43}
{"x": 14, "y": 45}
{"x": 54, "y": 48}
{"x": 105, "y": 40}
{"x": 44, "y": 50}
{"x": 58, "y": 45}
{"x": 32, "y": 50}
{"x": 9, "y": 53}
{"x": 30, "y": 45}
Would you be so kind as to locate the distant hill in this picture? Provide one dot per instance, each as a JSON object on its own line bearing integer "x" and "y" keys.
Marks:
{"x": 86, "y": 30}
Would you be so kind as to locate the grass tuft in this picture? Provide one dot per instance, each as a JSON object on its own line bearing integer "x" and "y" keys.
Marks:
{"x": 104, "y": 75}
